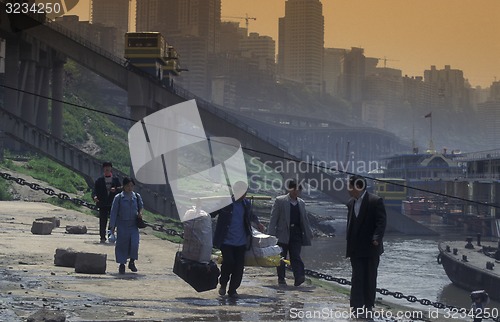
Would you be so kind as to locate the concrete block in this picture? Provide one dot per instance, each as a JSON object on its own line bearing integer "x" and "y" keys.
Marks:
{"x": 42, "y": 227}
{"x": 76, "y": 229}
{"x": 90, "y": 263}
{"x": 65, "y": 257}
{"x": 55, "y": 221}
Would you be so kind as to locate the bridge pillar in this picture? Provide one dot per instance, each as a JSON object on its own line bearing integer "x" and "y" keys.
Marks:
{"x": 12, "y": 75}
{"x": 29, "y": 53}
{"x": 43, "y": 89}
{"x": 57, "y": 95}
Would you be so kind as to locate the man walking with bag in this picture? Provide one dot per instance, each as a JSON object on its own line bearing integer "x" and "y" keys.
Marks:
{"x": 289, "y": 223}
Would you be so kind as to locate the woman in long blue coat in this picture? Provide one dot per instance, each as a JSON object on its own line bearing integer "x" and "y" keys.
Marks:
{"x": 127, "y": 206}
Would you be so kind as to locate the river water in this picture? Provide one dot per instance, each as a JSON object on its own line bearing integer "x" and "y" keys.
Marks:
{"x": 408, "y": 265}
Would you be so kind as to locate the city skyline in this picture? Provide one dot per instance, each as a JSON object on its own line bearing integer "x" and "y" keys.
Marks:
{"x": 412, "y": 35}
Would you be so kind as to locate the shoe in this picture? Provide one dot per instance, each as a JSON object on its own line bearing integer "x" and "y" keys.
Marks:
{"x": 233, "y": 295}
{"x": 121, "y": 269}
{"x": 299, "y": 280}
{"x": 222, "y": 290}
{"x": 131, "y": 266}
{"x": 281, "y": 281}
{"x": 103, "y": 240}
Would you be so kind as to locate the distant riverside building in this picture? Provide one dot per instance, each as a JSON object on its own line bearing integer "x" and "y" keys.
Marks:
{"x": 332, "y": 69}
{"x": 301, "y": 43}
{"x": 112, "y": 13}
{"x": 353, "y": 75}
{"x": 385, "y": 85}
{"x": 495, "y": 91}
{"x": 450, "y": 86}
{"x": 489, "y": 114}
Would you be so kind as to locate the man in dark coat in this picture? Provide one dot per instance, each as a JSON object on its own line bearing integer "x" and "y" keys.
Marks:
{"x": 366, "y": 222}
{"x": 105, "y": 190}
{"x": 233, "y": 236}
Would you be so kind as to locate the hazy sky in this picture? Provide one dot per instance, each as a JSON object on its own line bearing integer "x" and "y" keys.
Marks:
{"x": 411, "y": 34}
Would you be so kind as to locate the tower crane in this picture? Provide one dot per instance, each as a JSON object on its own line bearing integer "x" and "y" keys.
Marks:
{"x": 247, "y": 19}
{"x": 385, "y": 59}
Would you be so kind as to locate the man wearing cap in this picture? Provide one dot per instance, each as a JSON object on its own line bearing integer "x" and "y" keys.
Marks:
{"x": 105, "y": 189}
{"x": 289, "y": 223}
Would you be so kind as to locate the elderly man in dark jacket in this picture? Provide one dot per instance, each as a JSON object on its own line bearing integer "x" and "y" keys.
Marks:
{"x": 105, "y": 190}
{"x": 233, "y": 235}
{"x": 366, "y": 221}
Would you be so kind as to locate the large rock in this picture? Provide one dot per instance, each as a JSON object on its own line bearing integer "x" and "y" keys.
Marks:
{"x": 76, "y": 229}
{"x": 65, "y": 257}
{"x": 90, "y": 263}
{"x": 42, "y": 227}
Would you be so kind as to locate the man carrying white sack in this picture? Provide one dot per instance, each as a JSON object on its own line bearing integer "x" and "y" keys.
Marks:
{"x": 289, "y": 223}
{"x": 233, "y": 236}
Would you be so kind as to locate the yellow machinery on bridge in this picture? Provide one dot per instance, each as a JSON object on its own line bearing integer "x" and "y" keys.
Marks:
{"x": 151, "y": 52}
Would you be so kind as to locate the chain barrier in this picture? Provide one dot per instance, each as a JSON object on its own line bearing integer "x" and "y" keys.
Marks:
{"x": 48, "y": 191}
{"x": 173, "y": 232}
{"x": 397, "y": 295}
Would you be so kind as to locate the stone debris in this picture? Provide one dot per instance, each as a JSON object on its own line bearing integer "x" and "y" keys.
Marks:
{"x": 90, "y": 263}
{"x": 55, "y": 221}
{"x": 76, "y": 229}
{"x": 42, "y": 227}
{"x": 65, "y": 257}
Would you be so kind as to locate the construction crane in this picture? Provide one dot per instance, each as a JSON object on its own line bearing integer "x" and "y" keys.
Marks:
{"x": 385, "y": 59}
{"x": 247, "y": 19}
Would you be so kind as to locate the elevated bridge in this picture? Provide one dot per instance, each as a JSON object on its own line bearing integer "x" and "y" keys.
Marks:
{"x": 45, "y": 47}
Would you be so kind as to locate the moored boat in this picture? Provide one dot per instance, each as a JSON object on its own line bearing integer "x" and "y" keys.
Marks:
{"x": 471, "y": 266}
{"x": 416, "y": 207}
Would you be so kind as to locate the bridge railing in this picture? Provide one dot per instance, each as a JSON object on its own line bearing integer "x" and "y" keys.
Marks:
{"x": 202, "y": 103}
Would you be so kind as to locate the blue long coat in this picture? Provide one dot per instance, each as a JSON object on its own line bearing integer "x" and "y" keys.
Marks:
{"x": 123, "y": 216}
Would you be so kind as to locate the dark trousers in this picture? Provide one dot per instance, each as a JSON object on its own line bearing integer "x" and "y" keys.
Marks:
{"x": 293, "y": 248}
{"x": 364, "y": 281}
{"x": 233, "y": 263}
{"x": 103, "y": 221}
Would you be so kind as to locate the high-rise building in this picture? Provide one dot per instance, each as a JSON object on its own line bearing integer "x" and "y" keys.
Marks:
{"x": 332, "y": 67}
{"x": 112, "y": 13}
{"x": 301, "y": 43}
{"x": 230, "y": 35}
{"x": 353, "y": 75}
{"x": 103, "y": 36}
{"x": 450, "y": 85}
{"x": 260, "y": 48}
{"x": 489, "y": 116}
{"x": 192, "y": 27}
{"x": 157, "y": 15}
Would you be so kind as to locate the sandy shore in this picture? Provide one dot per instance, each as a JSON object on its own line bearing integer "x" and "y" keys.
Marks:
{"x": 30, "y": 281}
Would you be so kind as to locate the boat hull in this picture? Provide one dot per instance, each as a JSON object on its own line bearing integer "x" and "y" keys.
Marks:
{"x": 471, "y": 275}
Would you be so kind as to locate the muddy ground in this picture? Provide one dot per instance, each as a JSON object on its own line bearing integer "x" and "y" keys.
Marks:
{"x": 29, "y": 280}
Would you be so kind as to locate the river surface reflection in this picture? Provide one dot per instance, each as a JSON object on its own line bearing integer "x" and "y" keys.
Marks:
{"x": 409, "y": 264}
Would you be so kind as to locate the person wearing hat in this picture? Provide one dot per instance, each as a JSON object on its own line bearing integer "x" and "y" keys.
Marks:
{"x": 289, "y": 223}
{"x": 127, "y": 207}
{"x": 105, "y": 189}
{"x": 233, "y": 236}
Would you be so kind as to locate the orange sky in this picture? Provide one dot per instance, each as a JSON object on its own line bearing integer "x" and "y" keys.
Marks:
{"x": 412, "y": 34}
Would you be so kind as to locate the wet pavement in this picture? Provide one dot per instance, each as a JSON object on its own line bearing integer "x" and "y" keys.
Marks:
{"x": 29, "y": 281}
